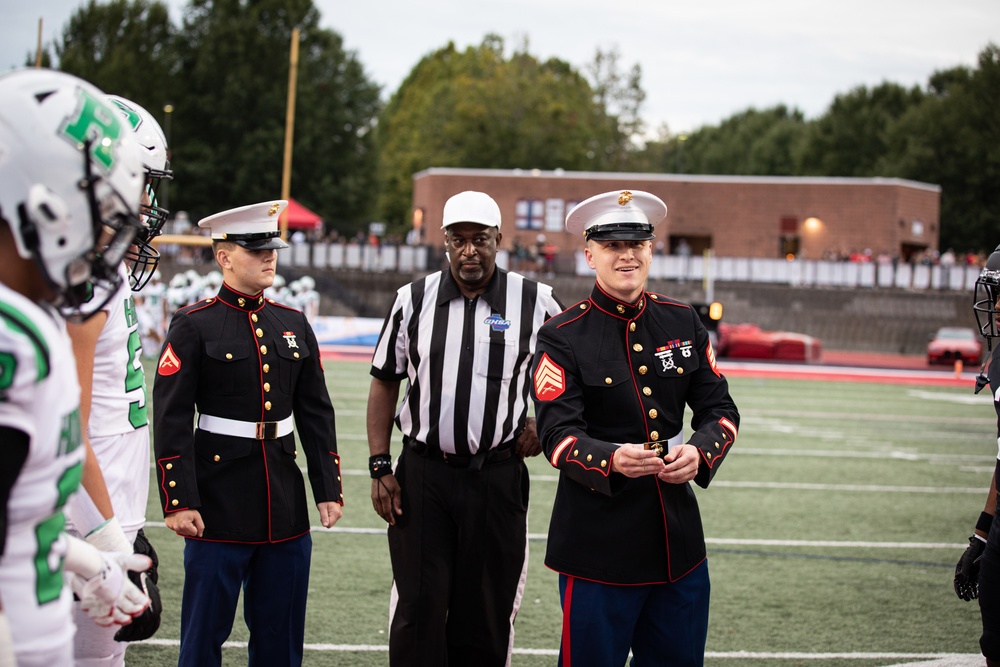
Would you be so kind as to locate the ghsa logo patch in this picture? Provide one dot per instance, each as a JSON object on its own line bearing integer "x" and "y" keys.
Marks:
{"x": 497, "y": 322}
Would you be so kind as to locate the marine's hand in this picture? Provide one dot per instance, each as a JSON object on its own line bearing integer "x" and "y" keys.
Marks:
{"x": 967, "y": 570}
{"x": 634, "y": 461}
{"x": 186, "y": 523}
{"x": 680, "y": 464}
{"x": 527, "y": 443}
{"x": 387, "y": 498}
{"x": 330, "y": 513}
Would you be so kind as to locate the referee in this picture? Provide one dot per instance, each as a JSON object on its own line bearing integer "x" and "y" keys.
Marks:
{"x": 457, "y": 501}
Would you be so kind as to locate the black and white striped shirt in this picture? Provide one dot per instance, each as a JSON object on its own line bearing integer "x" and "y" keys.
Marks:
{"x": 467, "y": 362}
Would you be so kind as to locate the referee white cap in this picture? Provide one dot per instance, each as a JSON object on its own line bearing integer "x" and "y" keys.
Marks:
{"x": 255, "y": 227}
{"x": 471, "y": 206}
{"x": 626, "y": 215}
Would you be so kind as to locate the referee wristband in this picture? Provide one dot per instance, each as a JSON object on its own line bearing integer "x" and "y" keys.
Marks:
{"x": 380, "y": 465}
{"x": 984, "y": 523}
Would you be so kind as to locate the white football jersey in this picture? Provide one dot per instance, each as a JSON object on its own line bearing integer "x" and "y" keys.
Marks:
{"x": 40, "y": 396}
{"x": 118, "y": 401}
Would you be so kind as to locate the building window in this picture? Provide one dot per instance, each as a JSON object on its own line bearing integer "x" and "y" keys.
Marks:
{"x": 555, "y": 215}
{"x": 530, "y": 214}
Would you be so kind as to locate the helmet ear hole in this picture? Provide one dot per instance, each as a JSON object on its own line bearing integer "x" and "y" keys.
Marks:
{"x": 27, "y": 231}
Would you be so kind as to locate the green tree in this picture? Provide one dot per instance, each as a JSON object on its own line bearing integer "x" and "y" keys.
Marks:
{"x": 480, "y": 109}
{"x": 951, "y": 140}
{"x": 620, "y": 95}
{"x": 758, "y": 143}
{"x": 230, "y": 120}
{"x": 124, "y": 47}
{"x": 851, "y": 138}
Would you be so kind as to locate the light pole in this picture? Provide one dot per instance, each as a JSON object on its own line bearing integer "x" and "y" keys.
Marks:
{"x": 168, "y": 111}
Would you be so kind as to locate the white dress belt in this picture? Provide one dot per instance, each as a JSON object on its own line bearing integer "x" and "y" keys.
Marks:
{"x": 242, "y": 429}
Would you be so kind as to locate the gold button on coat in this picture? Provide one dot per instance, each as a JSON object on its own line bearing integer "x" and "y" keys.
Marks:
{"x": 259, "y": 332}
{"x": 607, "y": 380}
{"x": 631, "y": 327}
{"x": 267, "y": 386}
{"x": 170, "y": 466}
{"x": 637, "y": 347}
{"x": 175, "y": 502}
{"x": 172, "y": 484}
{"x": 267, "y": 367}
{"x": 295, "y": 354}
{"x": 680, "y": 371}
{"x": 643, "y": 370}
{"x": 216, "y": 458}
{"x": 263, "y": 349}
{"x": 229, "y": 355}
{"x": 267, "y": 405}
{"x": 654, "y": 435}
{"x": 590, "y": 457}
{"x": 647, "y": 391}
{"x": 653, "y": 413}
{"x": 253, "y": 317}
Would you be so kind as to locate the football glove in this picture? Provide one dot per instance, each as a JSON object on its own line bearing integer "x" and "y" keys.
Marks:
{"x": 147, "y": 623}
{"x": 98, "y": 580}
{"x": 967, "y": 570}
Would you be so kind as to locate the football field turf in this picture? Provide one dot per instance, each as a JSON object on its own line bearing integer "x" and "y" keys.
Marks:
{"x": 833, "y": 530}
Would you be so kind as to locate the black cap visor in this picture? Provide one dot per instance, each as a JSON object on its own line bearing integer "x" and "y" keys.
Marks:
{"x": 261, "y": 241}
{"x": 621, "y": 231}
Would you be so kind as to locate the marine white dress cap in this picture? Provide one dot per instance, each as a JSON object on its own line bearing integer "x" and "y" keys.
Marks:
{"x": 625, "y": 215}
{"x": 255, "y": 227}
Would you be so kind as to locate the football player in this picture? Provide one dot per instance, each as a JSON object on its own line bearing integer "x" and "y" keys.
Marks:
{"x": 113, "y": 408}
{"x": 70, "y": 185}
{"x": 977, "y": 574}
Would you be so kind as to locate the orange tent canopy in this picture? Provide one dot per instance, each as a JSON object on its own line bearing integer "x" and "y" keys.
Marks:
{"x": 299, "y": 217}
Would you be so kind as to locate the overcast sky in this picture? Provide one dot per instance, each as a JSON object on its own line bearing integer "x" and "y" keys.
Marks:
{"x": 702, "y": 60}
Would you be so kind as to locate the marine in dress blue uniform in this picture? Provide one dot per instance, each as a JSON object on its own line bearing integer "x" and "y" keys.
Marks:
{"x": 243, "y": 368}
{"x": 612, "y": 375}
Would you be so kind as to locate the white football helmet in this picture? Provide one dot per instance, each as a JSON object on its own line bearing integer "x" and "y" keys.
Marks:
{"x": 70, "y": 182}
{"x": 152, "y": 145}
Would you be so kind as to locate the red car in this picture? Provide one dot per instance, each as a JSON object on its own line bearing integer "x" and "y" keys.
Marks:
{"x": 749, "y": 341}
{"x": 951, "y": 344}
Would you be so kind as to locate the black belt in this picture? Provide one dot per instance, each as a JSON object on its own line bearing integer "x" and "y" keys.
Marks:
{"x": 501, "y": 452}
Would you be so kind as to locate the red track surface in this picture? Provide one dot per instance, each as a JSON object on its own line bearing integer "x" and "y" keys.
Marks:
{"x": 849, "y": 366}
{"x": 835, "y": 366}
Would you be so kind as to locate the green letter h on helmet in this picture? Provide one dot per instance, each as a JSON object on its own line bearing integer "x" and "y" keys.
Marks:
{"x": 95, "y": 120}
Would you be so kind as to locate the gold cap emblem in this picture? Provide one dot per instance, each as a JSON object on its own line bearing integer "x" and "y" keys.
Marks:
{"x": 624, "y": 198}
{"x": 274, "y": 208}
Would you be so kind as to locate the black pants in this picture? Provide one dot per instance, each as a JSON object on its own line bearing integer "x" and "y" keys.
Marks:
{"x": 459, "y": 560}
{"x": 989, "y": 591}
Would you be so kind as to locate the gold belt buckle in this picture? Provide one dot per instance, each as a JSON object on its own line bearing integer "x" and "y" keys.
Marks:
{"x": 267, "y": 430}
{"x": 655, "y": 445}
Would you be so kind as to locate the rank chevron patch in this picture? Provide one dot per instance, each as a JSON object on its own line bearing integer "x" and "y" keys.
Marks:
{"x": 169, "y": 363}
{"x": 550, "y": 379}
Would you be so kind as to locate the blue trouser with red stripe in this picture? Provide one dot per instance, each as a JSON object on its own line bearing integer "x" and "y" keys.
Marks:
{"x": 275, "y": 583}
{"x": 663, "y": 624}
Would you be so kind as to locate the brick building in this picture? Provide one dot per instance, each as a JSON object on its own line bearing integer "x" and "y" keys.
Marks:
{"x": 735, "y": 216}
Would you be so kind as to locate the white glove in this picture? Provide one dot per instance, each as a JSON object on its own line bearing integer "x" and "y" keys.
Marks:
{"x": 109, "y": 536}
{"x": 99, "y": 579}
